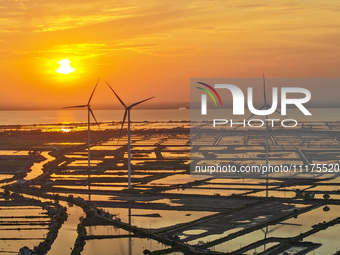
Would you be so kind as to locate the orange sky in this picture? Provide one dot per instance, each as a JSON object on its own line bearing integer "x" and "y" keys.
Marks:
{"x": 153, "y": 48}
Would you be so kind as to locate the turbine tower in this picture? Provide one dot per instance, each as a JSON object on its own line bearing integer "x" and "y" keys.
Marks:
{"x": 266, "y": 106}
{"x": 127, "y": 113}
{"x": 89, "y": 113}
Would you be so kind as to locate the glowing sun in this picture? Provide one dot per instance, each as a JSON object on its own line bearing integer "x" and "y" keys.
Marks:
{"x": 65, "y": 67}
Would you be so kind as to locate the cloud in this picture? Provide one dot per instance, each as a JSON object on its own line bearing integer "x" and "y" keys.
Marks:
{"x": 164, "y": 42}
{"x": 27, "y": 16}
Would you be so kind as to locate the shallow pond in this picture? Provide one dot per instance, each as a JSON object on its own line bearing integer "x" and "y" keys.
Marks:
{"x": 168, "y": 217}
{"x": 289, "y": 228}
{"x": 209, "y": 192}
{"x": 68, "y": 233}
{"x": 36, "y": 169}
{"x": 121, "y": 246}
{"x": 329, "y": 238}
{"x": 12, "y": 152}
{"x": 175, "y": 179}
{"x": 9, "y": 227}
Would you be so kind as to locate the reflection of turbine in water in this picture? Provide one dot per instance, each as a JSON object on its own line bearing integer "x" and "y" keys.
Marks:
{"x": 130, "y": 239}
{"x": 266, "y": 232}
{"x": 89, "y": 113}
{"x": 127, "y": 112}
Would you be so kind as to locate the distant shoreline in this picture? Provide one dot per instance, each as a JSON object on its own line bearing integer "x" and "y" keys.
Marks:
{"x": 92, "y": 124}
{"x": 66, "y": 116}
{"x": 179, "y": 106}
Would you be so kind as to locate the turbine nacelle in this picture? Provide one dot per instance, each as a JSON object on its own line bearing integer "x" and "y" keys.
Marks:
{"x": 127, "y": 108}
{"x": 87, "y": 105}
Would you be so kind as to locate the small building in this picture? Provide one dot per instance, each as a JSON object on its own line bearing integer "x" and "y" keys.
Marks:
{"x": 25, "y": 251}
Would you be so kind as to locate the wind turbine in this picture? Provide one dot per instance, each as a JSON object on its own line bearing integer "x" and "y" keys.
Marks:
{"x": 266, "y": 106}
{"x": 89, "y": 113}
{"x": 127, "y": 113}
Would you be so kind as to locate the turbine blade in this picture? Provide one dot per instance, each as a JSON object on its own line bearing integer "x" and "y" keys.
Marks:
{"x": 140, "y": 102}
{"x": 94, "y": 117}
{"x": 264, "y": 90}
{"x": 263, "y": 106}
{"x": 250, "y": 116}
{"x": 121, "y": 129}
{"x": 120, "y": 100}
{"x": 279, "y": 112}
{"x": 93, "y": 93}
{"x": 76, "y": 106}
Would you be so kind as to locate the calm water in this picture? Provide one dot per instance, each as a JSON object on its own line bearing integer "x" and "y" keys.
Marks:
{"x": 69, "y": 116}
{"x": 318, "y": 114}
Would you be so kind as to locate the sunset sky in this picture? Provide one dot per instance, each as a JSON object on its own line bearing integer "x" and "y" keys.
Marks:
{"x": 153, "y": 48}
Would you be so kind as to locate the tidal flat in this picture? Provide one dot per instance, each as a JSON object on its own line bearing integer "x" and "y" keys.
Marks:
{"x": 168, "y": 211}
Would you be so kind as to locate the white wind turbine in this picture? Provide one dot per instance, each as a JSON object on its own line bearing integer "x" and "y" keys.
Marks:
{"x": 127, "y": 112}
{"x": 89, "y": 112}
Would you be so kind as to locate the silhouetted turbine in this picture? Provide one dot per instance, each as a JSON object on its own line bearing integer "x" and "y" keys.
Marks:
{"x": 127, "y": 113}
{"x": 89, "y": 112}
{"x": 266, "y": 106}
